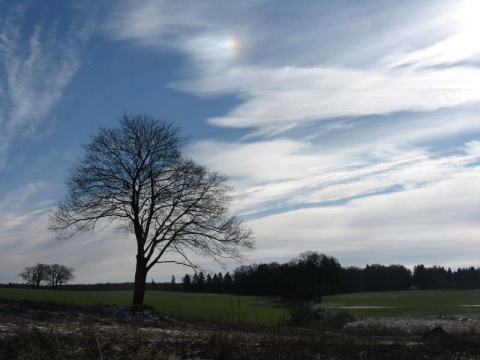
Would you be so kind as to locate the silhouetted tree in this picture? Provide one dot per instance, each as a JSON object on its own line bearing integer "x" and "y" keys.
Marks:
{"x": 208, "y": 283}
{"x": 450, "y": 279}
{"x": 420, "y": 277}
{"x": 34, "y": 275}
{"x": 305, "y": 278}
{"x": 217, "y": 283}
{"x": 352, "y": 280}
{"x": 399, "y": 278}
{"x": 201, "y": 282}
{"x": 58, "y": 275}
{"x": 433, "y": 278}
{"x": 187, "y": 284}
{"x": 195, "y": 286}
{"x": 228, "y": 283}
{"x": 317, "y": 275}
{"x": 467, "y": 278}
{"x": 135, "y": 177}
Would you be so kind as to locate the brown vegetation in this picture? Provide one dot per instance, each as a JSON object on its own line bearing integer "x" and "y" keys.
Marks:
{"x": 52, "y": 331}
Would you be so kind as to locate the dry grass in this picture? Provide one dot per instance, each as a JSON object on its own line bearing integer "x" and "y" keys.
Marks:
{"x": 50, "y": 331}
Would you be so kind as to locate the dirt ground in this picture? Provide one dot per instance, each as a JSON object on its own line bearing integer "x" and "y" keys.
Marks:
{"x": 50, "y": 331}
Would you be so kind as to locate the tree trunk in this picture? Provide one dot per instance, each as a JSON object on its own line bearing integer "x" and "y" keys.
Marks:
{"x": 140, "y": 280}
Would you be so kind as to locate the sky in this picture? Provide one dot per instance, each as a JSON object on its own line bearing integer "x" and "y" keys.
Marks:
{"x": 348, "y": 128}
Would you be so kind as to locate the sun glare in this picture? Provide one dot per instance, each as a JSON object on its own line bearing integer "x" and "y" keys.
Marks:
{"x": 467, "y": 17}
{"x": 462, "y": 45}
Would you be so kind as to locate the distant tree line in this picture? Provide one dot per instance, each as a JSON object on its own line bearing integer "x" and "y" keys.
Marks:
{"x": 54, "y": 275}
{"x": 375, "y": 278}
{"x": 436, "y": 277}
{"x": 304, "y": 278}
{"x": 307, "y": 277}
{"x": 198, "y": 282}
{"x": 312, "y": 275}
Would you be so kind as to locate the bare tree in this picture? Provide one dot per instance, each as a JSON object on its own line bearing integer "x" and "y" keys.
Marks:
{"x": 35, "y": 274}
{"x": 27, "y": 275}
{"x": 135, "y": 176}
{"x": 58, "y": 275}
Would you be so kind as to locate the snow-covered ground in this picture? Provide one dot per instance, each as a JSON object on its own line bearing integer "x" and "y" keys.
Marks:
{"x": 419, "y": 325}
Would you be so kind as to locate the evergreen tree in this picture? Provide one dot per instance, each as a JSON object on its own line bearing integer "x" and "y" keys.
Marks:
{"x": 227, "y": 284}
{"x": 201, "y": 282}
{"x": 187, "y": 284}
{"x": 208, "y": 283}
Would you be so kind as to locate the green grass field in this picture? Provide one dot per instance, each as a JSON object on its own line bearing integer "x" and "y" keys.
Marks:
{"x": 406, "y": 303}
{"x": 265, "y": 310}
{"x": 249, "y": 309}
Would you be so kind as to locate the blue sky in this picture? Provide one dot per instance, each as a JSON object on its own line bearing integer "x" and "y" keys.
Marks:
{"x": 349, "y": 128}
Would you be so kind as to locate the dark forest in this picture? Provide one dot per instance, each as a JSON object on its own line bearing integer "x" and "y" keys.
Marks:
{"x": 307, "y": 278}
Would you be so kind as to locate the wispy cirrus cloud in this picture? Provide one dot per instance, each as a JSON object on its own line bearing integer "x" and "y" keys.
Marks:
{"x": 430, "y": 225}
{"x": 362, "y": 119}
{"x": 38, "y": 61}
{"x": 293, "y": 175}
{"x": 458, "y": 46}
{"x": 277, "y": 98}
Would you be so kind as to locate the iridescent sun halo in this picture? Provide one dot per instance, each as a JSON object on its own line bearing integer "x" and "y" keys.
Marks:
{"x": 233, "y": 44}
{"x": 229, "y": 46}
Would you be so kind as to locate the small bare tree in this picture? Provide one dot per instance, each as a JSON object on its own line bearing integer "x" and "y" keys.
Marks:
{"x": 27, "y": 275}
{"x": 136, "y": 177}
{"x": 58, "y": 275}
{"x": 35, "y": 274}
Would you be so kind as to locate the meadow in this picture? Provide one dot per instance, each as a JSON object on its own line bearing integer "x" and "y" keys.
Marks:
{"x": 267, "y": 310}
{"x": 406, "y": 303}
{"x": 40, "y": 324}
{"x": 233, "y": 309}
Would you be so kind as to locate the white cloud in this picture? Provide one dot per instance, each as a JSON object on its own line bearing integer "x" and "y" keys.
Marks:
{"x": 281, "y": 98}
{"x": 36, "y": 70}
{"x": 274, "y": 160}
{"x": 23, "y": 197}
{"x": 265, "y": 174}
{"x": 461, "y": 46}
{"x": 433, "y": 225}
{"x": 473, "y": 148}
{"x": 151, "y": 21}
{"x": 277, "y": 98}
{"x": 271, "y": 175}
{"x": 320, "y": 72}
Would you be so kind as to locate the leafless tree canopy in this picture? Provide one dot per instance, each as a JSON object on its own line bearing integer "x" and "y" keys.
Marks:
{"x": 35, "y": 274}
{"x": 55, "y": 275}
{"x": 58, "y": 275}
{"x": 135, "y": 176}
